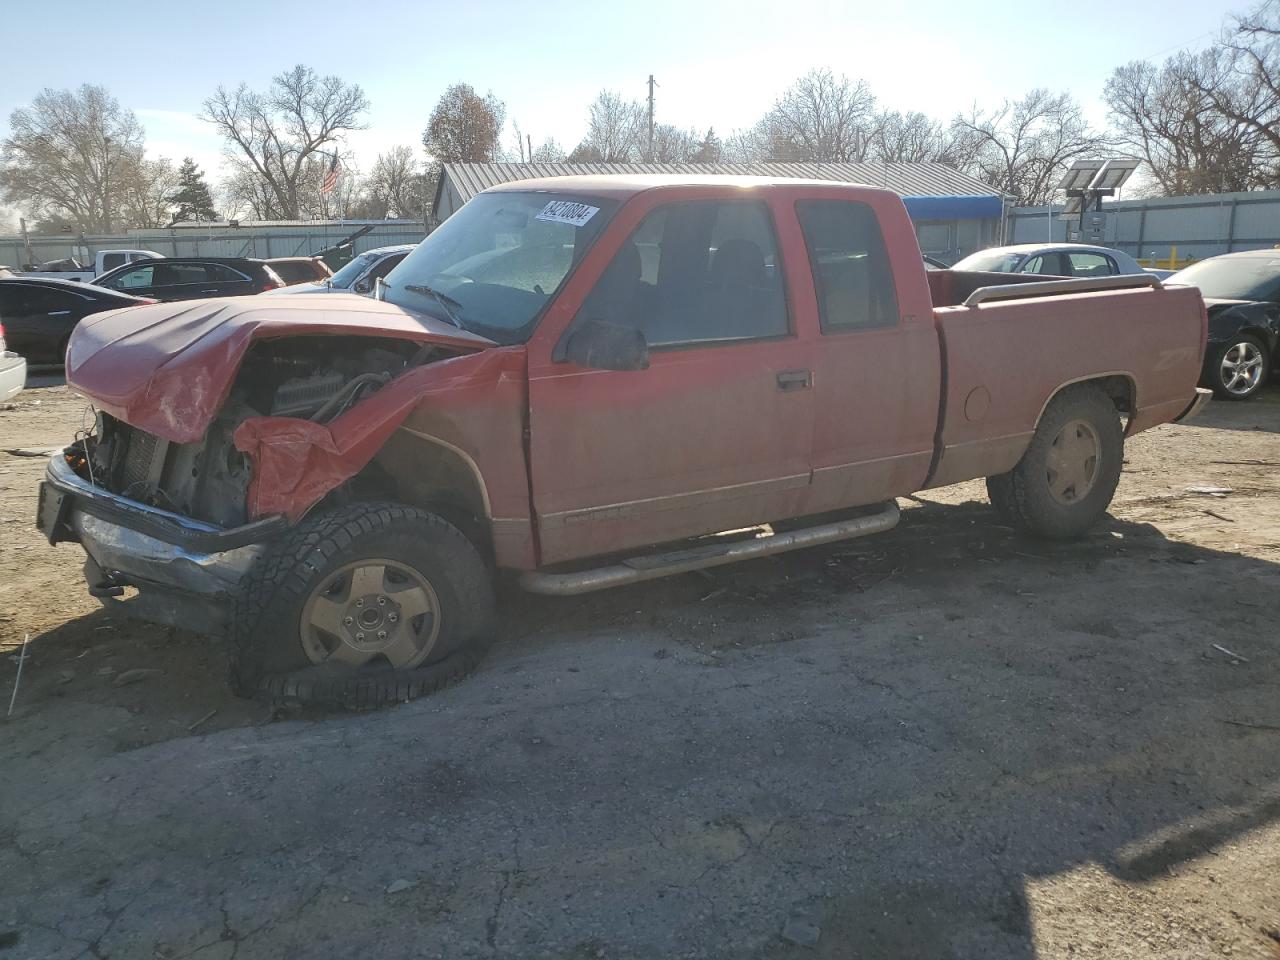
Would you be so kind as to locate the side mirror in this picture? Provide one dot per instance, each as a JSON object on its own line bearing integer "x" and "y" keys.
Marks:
{"x": 362, "y": 286}
{"x": 607, "y": 346}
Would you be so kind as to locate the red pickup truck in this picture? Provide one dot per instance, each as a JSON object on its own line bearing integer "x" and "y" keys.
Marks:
{"x": 587, "y": 382}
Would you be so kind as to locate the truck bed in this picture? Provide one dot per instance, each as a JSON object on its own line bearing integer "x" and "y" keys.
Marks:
{"x": 993, "y": 394}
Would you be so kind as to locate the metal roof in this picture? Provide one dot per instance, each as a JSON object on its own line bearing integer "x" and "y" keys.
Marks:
{"x": 906, "y": 179}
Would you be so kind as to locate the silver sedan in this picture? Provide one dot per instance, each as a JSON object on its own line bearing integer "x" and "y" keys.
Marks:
{"x": 1054, "y": 260}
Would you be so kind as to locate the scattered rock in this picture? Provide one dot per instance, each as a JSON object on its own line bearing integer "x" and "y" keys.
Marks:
{"x": 399, "y": 886}
{"x": 106, "y": 671}
{"x": 801, "y": 931}
{"x": 66, "y": 676}
{"x": 133, "y": 676}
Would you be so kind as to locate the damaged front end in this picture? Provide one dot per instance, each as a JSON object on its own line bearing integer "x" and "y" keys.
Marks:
{"x": 171, "y": 522}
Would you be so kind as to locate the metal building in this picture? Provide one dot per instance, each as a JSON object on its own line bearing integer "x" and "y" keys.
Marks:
{"x": 954, "y": 214}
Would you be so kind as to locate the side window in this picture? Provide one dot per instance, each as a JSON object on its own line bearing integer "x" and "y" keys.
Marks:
{"x": 850, "y": 264}
{"x": 221, "y": 273}
{"x": 704, "y": 271}
{"x": 386, "y": 266}
{"x": 132, "y": 279}
{"x": 179, "y": 273}
{"x": 1091, "y": 265}
{"x": 112, "y": 260}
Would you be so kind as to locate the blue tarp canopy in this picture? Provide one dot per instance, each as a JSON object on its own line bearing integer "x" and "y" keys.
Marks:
{"x": 954, "y": 208}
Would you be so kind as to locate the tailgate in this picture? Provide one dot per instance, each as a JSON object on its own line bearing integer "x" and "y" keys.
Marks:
{"x": 1005, "y": 359}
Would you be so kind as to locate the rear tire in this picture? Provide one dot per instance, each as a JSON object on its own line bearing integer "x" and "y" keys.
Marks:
{"x": 368, "y": 604}
{"x": 1066, "y": 478}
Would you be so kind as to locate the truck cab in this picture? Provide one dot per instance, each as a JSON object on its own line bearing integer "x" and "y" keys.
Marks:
{"x": 584, "y": 382}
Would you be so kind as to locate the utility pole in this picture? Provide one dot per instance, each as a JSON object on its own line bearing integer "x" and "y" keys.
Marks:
{"x": 650, "y": 153}
{"x": 529, "y": 137}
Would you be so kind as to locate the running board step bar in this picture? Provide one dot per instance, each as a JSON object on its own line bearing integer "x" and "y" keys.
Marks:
{"x": 651, "y": 567}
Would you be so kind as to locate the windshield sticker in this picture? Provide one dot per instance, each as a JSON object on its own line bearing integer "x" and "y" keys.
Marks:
{"x": 562, "y": 211}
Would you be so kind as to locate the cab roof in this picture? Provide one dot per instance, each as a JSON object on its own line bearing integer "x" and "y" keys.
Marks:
{"x": 623, "y": 185}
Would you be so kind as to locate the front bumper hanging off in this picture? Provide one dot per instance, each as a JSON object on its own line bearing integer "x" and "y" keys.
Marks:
{"x": 183, "y": 569}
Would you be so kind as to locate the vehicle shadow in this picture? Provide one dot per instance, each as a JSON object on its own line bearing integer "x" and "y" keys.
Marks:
{"x": 1262, "y": 412}
{"x": 1015, "y": 711}
{"x": 907, "y": 746}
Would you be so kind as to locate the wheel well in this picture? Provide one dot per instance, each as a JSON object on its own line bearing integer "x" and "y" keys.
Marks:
{"x": 433, "y": 476}
{"x": 1119, "y": 387}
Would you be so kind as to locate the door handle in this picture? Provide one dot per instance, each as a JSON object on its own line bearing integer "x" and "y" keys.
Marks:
{"x": 59, "y": 313}
{"x": 789, "y": 380}
{"x": 208, "y": 291}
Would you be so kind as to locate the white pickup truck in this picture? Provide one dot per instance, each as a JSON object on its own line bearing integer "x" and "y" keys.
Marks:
{"x": 103, "y": 261}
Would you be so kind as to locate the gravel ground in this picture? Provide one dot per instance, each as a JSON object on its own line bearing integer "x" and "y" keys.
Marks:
{"x": 947, "y": 742}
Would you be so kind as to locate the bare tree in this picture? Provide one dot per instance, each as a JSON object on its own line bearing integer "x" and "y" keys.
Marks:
{"x": 1170, "y": 116}
{"x": 673, "y": 145}
{"x": 396, "y": 183}
{"x": 909, "y": 138}
{"x": 820, "y": 117}
{"x": 274, "y": 136}
{"x": 72, "y": 156}
{"x": 1246, "y": 88}
{"x": 465, "y": 127}
{"x": 549, "y": 151}
{"x": 1022, "y": 147}
{"x": 616, "y": 129}
{"x": 147, "y": 194}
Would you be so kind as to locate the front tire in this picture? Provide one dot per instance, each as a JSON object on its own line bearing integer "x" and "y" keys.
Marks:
{"x": 368, "y": 604}
{"x": 1065, "y": 480}
{"x": 1239, "y": 368}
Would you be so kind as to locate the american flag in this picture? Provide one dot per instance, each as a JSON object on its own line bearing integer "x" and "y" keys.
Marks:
{"x": 330, "y": 178}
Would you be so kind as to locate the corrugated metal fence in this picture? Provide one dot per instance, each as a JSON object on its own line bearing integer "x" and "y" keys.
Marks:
{"x": 1198, "y": 227}
{"x": 263, "y": 240}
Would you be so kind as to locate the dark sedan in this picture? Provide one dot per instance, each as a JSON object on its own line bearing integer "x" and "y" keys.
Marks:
{"x": 191, "y": 278}
{"x": 1242, "y": 294}
{"x": 39, "y": 315}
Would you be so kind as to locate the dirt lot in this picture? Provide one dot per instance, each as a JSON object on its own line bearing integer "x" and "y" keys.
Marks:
{"x": 946, "y": 742}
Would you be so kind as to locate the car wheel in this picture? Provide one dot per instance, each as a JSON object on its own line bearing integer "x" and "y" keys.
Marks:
{"x": 1066, "y": 478}
{"x": 368, "y": 604}
{"x": 1239, "y": 368}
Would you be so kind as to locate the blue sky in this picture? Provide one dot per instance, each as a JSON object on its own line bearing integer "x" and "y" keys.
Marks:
{"x": 717, "y": 63}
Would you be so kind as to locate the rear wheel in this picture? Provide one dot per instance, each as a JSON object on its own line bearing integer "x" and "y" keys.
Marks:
{"x": 1066, "y": 478}
{"x": 1238, "y": 369}
{"x": 368, "y": 604}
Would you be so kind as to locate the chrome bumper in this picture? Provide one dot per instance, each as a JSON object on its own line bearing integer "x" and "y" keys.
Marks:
{"x": 183, "y": 569}
{"x": 1202, "y": 397}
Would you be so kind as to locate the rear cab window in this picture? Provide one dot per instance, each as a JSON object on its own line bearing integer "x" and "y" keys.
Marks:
{"x": 851, "y": 272}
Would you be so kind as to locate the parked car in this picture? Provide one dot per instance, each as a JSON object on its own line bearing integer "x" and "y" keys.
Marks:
{"x": 358, "y": 275}
{"x": 581, "y": 381}
{"x": 192, "y": 278}
{"x": 39, "y": 315}
{"x": 294, "y": 270}
{"x": 1053, "y": 260}
{"x": 13, "y": 370}
{"x": 104, "y": 261}
{"x": 1242, "y": 294}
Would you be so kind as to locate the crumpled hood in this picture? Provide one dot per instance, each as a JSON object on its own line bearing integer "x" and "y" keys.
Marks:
{"x": 167, "y": 368}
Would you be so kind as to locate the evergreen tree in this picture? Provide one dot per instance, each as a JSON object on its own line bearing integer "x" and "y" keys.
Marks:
{"x": 710, "y": 150}
{"x": 192, "y": 200}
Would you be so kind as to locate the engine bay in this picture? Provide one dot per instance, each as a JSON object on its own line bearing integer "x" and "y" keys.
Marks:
{"x": 311, "y": 378}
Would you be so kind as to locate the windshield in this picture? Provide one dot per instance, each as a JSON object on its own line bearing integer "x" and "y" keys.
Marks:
{"x": 347, "y": 275}
{"x": 498, "y": 261}
{"x": 989, "y": 261}
{"x": 1233, "y": 278}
